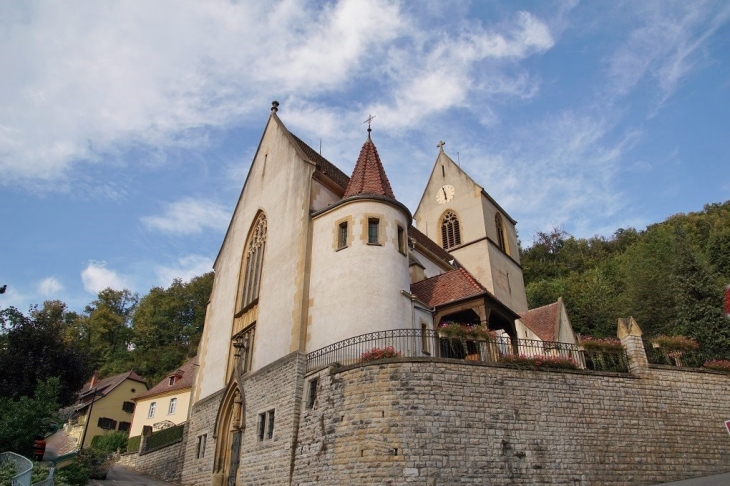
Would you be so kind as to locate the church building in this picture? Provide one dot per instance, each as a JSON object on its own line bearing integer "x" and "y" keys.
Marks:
{"x": 315, "y": 263}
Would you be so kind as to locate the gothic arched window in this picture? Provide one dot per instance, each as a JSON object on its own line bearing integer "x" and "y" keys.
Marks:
{"x": 450, "y": 231}
{"x": 501, "y": 234}
{"x": 253, "y": 261}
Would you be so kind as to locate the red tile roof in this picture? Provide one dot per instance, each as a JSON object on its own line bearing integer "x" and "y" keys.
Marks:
{"x": 369, "y": 177}
{"x": 108, "y": 384}
{"x": 448, "y": 287}
{"x": 543, "y": 321}
{"x": 186, "y": 373}
{"x": 323, "y": 165}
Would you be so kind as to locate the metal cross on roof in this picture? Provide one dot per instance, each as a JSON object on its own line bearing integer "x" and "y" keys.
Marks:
{"x": 368, "y": 120}
{"x": 440, "y": 145}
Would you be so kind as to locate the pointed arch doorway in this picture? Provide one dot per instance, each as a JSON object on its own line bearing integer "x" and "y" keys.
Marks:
{"x": 229, "y": 435}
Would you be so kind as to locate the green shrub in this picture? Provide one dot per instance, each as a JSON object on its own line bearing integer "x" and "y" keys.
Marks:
{"x": 133, "y": 443}
{"x": 7, "y": 471}
{"x": 164, "y": 437}
{"x": 39, "y": 473}
{"x": 96, "y": 461}
{"x": 111, "y": 442}
{"x": 74, "y": 474}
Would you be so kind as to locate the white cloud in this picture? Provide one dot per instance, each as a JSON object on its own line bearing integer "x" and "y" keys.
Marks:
{"x": 185, "y": 269}
{"x": 97, "y": 277}
{"x": 49, "y": 287}
{"x": 86, "y": 84}
{"x": 189, "y": 216}
{"x": 443, "y": 74}
{"x": 666, "y": 46}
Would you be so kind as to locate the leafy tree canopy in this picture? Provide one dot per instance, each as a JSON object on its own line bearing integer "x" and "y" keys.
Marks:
{"x": 39, "y": 346}
{"x": 26, "y": 417}
{"x": 669, "y": 277}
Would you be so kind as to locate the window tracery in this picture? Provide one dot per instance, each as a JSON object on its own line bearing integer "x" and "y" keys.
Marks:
{"x": 253, "y": 258}
{"x": 450, "y": 231}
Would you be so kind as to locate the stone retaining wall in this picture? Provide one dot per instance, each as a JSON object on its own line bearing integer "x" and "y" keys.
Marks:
{"x": 437, "y": 422}
{"x": 165, "y": 463}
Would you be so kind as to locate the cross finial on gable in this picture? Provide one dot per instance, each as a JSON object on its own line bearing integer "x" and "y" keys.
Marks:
{"x": 368, "y": 120}
{"x": 440, "y": 145}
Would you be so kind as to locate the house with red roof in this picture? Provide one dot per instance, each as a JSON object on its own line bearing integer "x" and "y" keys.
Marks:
{"x": 166, "y": 404}
{"x": 103, "y": 406}
{"x": 318, "y": 267}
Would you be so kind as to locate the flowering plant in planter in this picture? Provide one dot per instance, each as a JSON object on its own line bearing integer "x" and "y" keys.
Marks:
{"x": 522, "y": 361}
{"x": 479, "y": 333}
{"x": 674, "y": 343}
{"x": 718, "y": 365}
{"x": 602, "y": 345}
{"x": 475, "y": 332}
{"x": 380, "y": 353}
{"x": 452, "y": 330}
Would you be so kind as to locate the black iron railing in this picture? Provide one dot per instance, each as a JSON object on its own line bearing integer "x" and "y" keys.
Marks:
{"x": 411, "y": 343}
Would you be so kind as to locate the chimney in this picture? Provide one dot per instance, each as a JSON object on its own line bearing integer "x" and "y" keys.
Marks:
{"x": 94, "y": 379}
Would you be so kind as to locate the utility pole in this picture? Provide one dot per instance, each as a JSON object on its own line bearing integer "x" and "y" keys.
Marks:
{"x": 88, "y": 419}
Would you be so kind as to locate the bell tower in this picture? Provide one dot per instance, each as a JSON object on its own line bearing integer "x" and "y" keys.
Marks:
{"x": 460, "y": 216}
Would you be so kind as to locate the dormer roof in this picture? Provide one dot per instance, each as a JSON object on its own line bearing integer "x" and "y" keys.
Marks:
{"x": 368, "y": 177}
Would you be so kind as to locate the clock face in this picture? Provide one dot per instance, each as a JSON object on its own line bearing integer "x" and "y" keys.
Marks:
{"x": 445, "y": 194}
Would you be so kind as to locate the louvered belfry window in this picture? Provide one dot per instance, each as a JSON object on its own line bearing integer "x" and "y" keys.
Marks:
{"x": 500, "y": 232}
{"x": 254, "y": 258}
{"x": 450, "y": 231}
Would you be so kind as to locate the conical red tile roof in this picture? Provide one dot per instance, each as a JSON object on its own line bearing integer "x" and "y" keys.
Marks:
{"x": 369, "y": 177}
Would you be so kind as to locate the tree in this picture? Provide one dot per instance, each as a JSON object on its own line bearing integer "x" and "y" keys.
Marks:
{"x": 40, "y": 346}
{"x": 168, "y": 324}
{"x": 699, "y": 302}
{"x": 650, "y": 294}
{"x": 25, "y": 417}
{"x": 107, "y": 328}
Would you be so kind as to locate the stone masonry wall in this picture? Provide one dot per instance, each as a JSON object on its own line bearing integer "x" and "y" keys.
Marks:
{"x": 440, "y": 422}
{"x": 165, "y": 463}
{"x": 277, "y": 387}
{"x": 201, "y": 422}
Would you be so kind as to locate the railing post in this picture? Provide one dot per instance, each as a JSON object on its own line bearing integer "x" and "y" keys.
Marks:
{"x": 630, "y": 335}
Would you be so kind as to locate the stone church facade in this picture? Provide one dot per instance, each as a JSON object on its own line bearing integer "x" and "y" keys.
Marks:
{"x": 264, "y": 412}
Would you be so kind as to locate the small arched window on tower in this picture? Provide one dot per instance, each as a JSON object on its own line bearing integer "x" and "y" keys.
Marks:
{"x": 450, "y": 231}
{"x": 253, "y": 261}
{"x": 501, "y": 233}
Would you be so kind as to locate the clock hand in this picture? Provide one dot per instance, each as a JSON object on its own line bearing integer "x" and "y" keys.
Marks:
{"x": 444, "y": 191}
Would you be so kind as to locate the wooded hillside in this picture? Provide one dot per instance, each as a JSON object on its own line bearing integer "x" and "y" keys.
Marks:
{"x": 670, "y": 277}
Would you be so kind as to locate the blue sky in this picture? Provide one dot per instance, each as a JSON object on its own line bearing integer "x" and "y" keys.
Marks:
{"x": 127, "y": 127}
